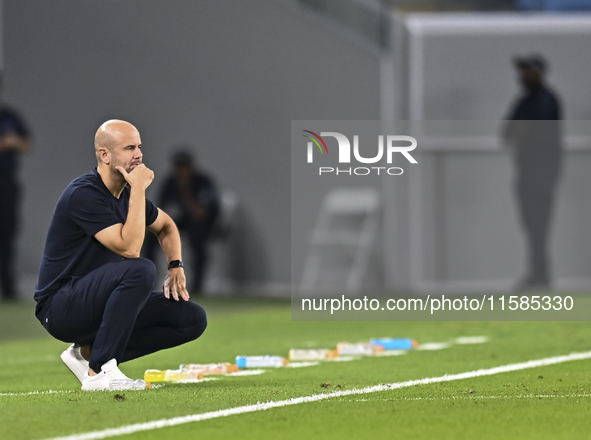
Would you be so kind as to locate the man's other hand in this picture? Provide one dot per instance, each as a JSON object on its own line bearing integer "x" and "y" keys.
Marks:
{"x": 13, "y": 142}
{"x": 140, "y": 177}
{"x": 175, "y": 283}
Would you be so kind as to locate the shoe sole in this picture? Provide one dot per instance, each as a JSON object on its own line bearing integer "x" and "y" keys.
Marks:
{"x": 134, "y": 387}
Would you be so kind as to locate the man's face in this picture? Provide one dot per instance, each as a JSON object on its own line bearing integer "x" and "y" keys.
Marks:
{"x": 529, "y": 77}
{"x": 183, "y": 171}
{"x": 127, "y": 152}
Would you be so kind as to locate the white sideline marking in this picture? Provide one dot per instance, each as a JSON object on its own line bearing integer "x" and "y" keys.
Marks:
{"x": 302, "y": 364}
{"x": 434, "y": 346}
{"x": 129, "y": 429}
{"x": 474, "y": 397}
{"x": 471, "y": 340}
{"x": 37, "y": 392}
{"x": 246, "y": 373}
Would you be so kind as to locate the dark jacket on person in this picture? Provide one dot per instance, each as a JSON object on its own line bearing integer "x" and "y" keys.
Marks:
{"x": 537, "y": 137}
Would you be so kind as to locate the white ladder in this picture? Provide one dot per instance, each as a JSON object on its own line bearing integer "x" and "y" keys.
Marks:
{"x": 344, "y": 203}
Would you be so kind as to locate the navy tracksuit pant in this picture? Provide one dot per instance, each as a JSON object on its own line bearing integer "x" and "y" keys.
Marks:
{"x": 9, "y": 201}
{"x": 115, "y": 309}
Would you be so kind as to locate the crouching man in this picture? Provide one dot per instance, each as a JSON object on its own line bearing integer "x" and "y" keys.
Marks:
{"x": 93, "y": 289}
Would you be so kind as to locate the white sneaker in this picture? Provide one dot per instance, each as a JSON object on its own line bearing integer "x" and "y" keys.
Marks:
{"x": 111, "y": 379}
{"x": 75, "y": 362}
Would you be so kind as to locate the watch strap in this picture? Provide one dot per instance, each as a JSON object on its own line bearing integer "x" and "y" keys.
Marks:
{"x": 174, "y": 264}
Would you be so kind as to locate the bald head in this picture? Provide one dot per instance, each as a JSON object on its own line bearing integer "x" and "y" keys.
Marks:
{"x": 112, "y": 132}
{"x": 117, "y": 143}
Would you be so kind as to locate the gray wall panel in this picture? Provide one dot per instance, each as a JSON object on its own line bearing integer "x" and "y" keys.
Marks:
{"x": 226, "y": 76}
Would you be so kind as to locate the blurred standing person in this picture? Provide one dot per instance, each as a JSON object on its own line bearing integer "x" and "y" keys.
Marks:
{"x": 533, "y": 130}
{"x": 14, "y": 140}
{"x": 190, "y": 196}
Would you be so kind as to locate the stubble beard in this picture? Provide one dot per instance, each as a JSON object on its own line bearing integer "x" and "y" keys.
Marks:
{"x": 115, "y": 172}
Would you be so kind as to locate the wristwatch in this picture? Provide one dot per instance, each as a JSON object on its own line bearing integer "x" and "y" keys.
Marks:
{"x": 174, "y": 264}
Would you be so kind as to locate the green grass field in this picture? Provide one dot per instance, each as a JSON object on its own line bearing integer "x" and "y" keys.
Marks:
{"x": 549, "y": 402}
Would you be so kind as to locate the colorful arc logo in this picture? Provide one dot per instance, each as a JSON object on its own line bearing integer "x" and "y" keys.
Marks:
{"x": 315, "y": 141}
